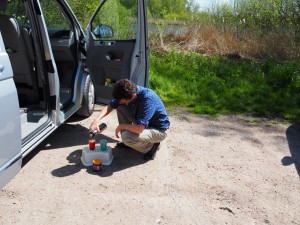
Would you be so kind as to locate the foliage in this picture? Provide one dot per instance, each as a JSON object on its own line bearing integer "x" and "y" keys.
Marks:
{"x": 175, "y": 9}
{"x": 53, "y": 15}
{"x": 17, "y": 9}
{"x": 121, "y": 19}
{"x": 221, "y": 86}
{"x": 246, "y": 19}
{"x": 260, "y": 17}
{"x": 83, "y": 10}
{"x": 158, "y": 9}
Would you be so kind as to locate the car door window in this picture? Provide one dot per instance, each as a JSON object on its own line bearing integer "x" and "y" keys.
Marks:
{"x": 121, "y": 16}
{"x": 55, "y": 19}
{"x": 17, "y": 10}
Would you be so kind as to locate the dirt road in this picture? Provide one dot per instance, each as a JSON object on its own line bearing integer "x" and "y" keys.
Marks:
{"x": 208, "y": 171}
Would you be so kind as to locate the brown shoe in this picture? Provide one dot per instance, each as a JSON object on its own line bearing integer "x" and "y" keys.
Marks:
{"x": 150, "y": 155}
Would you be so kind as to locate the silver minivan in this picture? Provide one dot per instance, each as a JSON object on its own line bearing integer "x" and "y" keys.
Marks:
{"x": 51, "y": 69}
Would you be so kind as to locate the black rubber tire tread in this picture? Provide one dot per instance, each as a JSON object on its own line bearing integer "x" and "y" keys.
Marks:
{"x": 84, "y": 110}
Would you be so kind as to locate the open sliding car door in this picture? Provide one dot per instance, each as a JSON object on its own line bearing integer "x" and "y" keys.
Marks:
{"x": 10, "y": 125}
{"x": 117, "y": 45}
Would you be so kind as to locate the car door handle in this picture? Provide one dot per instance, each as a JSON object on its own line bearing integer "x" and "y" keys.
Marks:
{"x": 107, "y": 43}
{"x": 1, "y": 68}
{"x": 109, "y": 56}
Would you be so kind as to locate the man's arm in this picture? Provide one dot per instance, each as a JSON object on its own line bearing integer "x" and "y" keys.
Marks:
{"x": 104, "y": 112}
{"x": 134, "y": 128}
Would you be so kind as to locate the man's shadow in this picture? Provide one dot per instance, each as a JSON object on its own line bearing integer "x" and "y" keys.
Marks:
{"x": 293, "y": 138}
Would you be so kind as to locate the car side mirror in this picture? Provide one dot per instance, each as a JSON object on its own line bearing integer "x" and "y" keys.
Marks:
{"x": 103, "y": 31}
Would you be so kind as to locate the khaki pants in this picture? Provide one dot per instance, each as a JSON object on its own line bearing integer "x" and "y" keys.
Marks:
{"x": 142, "y": 142}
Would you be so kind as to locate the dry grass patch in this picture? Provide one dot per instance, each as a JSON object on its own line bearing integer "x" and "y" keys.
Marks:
{"x": 209, "y": 40}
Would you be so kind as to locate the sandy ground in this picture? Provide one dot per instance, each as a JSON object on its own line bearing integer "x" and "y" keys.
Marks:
{"x": 208, "y": 171}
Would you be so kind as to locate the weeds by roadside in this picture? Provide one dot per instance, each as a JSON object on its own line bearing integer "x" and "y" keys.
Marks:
{"x": 210, "y": 41}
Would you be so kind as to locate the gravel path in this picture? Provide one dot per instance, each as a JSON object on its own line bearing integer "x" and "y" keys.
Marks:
{"x": 208, "y": 171}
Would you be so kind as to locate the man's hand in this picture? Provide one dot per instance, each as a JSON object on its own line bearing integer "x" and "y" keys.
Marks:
{"x": 94, "y": 126}
{"x": 118, "y": 130}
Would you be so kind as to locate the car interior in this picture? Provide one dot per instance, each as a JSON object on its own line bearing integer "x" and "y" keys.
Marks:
{"x": 20, "y": 49}
{"x": 64, "y": 47}
{"x": 31, "y": 86}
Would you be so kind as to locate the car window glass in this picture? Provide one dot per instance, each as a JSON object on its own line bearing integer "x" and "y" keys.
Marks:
{"x": 53, "y": 16}
{"x": 17, "y": 10}
{"x": 121, "y": 16}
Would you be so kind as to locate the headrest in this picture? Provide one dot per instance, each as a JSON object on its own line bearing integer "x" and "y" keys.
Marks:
{"x": 12, "y": 32}
{"x": 3, "y": 4}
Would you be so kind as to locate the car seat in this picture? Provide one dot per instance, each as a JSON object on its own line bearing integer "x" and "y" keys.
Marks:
{"x": 20, "y": 52}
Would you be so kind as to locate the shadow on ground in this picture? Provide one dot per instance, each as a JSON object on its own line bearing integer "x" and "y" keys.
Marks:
{"x": 65, "y": 136}
{"x": 293, "y": 134}
{"x": 123, "y": 159}
{"x": 72, "y": 135}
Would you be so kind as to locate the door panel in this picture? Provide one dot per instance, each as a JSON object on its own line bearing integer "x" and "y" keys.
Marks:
{"x": 117, "y": 45}
{"x": 110, "y": 64}
{"x": 10, "y": 126}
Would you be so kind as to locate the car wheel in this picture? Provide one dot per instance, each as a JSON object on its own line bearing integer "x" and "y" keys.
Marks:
{"x": 88, "y": 101}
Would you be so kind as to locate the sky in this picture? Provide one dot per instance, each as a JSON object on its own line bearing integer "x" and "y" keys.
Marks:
{"x": 206, "y": 4}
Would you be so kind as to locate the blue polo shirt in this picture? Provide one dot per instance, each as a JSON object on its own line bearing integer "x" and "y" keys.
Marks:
{"x": 147, "y": 109}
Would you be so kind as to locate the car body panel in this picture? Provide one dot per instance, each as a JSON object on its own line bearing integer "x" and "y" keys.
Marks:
{"x": 10, "y": 127}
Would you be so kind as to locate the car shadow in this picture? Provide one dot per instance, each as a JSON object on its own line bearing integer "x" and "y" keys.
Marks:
{"x": 123, "y": 159}
{"x": 67, "y": 135}
{"x": 72, "y": 135}
{"x": 293, "y": 134}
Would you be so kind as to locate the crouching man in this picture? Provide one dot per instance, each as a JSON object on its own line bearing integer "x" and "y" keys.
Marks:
{"x": 143, "y": 120}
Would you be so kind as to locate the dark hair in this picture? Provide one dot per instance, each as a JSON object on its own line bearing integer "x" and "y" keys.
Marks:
{"x": 124, "y": 89}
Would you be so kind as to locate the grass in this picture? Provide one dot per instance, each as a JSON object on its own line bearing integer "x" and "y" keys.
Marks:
{"x": 216, "y": 85}
{"x": 254, "y": 120}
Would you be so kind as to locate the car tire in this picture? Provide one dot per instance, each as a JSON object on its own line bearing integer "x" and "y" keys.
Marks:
{"x": 88, "y": 100}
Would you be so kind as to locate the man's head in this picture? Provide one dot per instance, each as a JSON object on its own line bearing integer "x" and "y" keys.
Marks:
{"x": 124, "y": 91}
